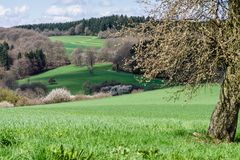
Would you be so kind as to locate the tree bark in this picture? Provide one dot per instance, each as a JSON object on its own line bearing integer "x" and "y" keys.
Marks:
{"x": 223, "y": 124}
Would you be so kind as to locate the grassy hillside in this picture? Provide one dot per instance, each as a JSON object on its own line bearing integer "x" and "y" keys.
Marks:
{"x": 72, "y": 42}
{"x": 139, "y": 126}
{"x": 73, "y": 77}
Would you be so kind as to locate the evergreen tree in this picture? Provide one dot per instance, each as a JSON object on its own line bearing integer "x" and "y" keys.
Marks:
{"x": 37, "y": 59}
{"x": 5, "y": 59}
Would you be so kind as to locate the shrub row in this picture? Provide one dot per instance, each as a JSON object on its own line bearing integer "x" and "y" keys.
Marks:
{"x": 9, "y": 98}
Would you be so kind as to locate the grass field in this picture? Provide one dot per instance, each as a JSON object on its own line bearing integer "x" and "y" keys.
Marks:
{"x": 73, "y": 77}
{"x": 138, "y": 126}
{"x": 72, "y": 42}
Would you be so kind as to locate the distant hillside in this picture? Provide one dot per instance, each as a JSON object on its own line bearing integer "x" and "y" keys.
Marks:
{"x": 70, "y": 43}
{"x": 73, "y": 77}
{"x": 90, "y": 26}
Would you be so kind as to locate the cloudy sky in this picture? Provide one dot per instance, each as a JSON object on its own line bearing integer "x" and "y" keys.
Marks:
{"x": 16, "y": 12}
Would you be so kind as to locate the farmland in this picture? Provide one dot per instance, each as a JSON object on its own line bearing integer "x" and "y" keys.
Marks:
{"x": 138, "y": 126}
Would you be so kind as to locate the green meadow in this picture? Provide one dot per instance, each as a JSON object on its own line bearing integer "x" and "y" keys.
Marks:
{"x": 138, "y": 126}
{"x": 83, "y": 42}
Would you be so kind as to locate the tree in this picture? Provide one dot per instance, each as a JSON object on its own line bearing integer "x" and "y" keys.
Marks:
{"x": 196, "y": 42}
{"x": 122, "y": 54}
{"x": 77, "y": 57}
{"x": 90, "y": 59}
{"x": 37, "y": 59}
{"x": 79, "y": 29}
{"x": 5, "y": 59}
{"x": 22, "y": 68}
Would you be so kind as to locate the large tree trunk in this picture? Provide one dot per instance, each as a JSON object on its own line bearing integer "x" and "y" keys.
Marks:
{"x": 223, "y": 124}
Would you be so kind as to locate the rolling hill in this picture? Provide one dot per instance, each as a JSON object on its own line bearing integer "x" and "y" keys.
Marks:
{"x": 73, "y": 77}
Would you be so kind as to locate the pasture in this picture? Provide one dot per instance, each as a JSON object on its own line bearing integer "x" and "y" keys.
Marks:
{"x": 83, "y": 42}
{"x": 137, "y": 126}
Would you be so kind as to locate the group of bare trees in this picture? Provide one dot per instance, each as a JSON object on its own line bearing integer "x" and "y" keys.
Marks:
{"x": 86, "y": 57}
{"x": 118, "y": 51}
{"x": 25, "y": 42}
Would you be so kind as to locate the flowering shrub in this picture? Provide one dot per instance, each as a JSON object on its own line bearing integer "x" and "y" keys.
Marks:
{"x": 57, "y": 96}
{"x": 6, "y": 104}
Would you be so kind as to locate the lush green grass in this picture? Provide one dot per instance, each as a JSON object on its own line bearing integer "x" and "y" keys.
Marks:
{"x": 126, "y": 127}
{"x": 72, "y": 42}
{"x": 73, "y": 77}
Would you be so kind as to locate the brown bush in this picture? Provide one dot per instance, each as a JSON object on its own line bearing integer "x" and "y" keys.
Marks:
{"x": 32, "y": 90}
{"x": 24, "y": 101}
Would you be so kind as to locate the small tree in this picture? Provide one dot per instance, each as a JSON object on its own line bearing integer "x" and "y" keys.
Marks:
{"x": 122, "y": 54}
{"x": 71, "y": 31}
{"x": 77, "y": 57}
{"x": 79, "y": 29}
{"x": 90, "y": 59}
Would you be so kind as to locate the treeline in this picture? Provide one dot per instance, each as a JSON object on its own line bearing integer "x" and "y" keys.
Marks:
{"x": 90, "y": 26}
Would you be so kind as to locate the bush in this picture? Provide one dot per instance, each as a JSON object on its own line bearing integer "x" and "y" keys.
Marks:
{"x": 57, "y": 96}
{"x": 6, "y": 104}
{"x": 9, "y": 80}
{"x": 33, "y": 86}
{"x": 8, "y": 95}
{"x": 52, "y": 81}
{"x": 24, "y": 101}
{"x": 87, "y": 88}
{"x": 90, "y": 88}
{"x": 33, "y": 90}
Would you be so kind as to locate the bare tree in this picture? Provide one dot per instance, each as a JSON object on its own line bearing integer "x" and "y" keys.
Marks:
{"x": 77, "y": 57}
{"x": 90, "y": 59}
{"x": 193, "y": 42}
{"x": 79, "y": 29}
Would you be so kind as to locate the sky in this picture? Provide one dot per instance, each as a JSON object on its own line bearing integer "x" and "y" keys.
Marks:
{"x": 18, "y": 12}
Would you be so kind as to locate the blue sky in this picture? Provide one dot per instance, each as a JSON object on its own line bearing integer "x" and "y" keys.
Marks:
{"x": 17, "y": 12}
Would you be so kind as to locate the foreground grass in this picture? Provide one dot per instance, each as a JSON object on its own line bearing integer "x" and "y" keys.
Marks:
{"x": 73, "y": 77}
{"x": 72, "y": 42}
{"x": 139, "y": 126}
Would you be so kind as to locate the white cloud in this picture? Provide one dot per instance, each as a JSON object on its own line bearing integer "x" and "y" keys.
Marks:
{"x": 4, "y": 11}
{"x": 106, "y": 3}
{"x": 72, "y": 10}
{"x": 10, "y": 16}
{"x": 21, "y": 9}
{"x": 15, "y": 11}
{"x": 55, "y": 11}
